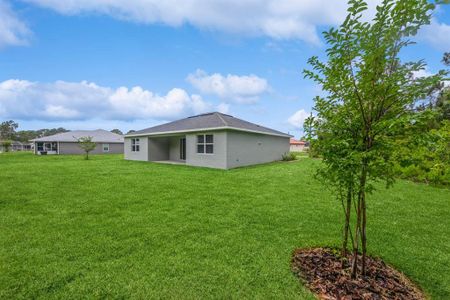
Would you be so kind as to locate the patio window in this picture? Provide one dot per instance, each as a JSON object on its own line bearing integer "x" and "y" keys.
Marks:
{"x": 135, "y": 145}
{"x": 49, "y": 146}
{"x": 105, "y": 147}
{"x": 205, "y": 144}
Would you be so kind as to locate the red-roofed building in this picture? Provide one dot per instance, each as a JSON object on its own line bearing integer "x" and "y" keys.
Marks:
{"x": 297, "y": 146}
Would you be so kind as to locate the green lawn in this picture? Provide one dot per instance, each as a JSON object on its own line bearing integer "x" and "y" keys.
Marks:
{"x": 110, "y": 228}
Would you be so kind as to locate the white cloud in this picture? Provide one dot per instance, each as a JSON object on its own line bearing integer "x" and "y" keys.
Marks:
{"x": 240, "y": 89}
{"x": 425, "y": 73}
{"x": 437, "y": 34}
{"x": 62, "y": 100}
{"x": 298, "y": 118}
{"x": 422, "y": 73}
{"x": 223, "y": 108}
{"x": 278, "y": 19}
{"x": 13, "y": 32}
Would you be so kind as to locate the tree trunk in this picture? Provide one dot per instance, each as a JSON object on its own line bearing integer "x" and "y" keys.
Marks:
{"x": 363, "y": 234}
{"x": 356, "y": 240}
{"x": 362, "y": 197}
{"x": 347, "y": 221}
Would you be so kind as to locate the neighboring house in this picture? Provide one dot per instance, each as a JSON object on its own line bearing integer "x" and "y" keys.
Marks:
{"x": 298, "y": 146}
{"x": 212, "y": 140}
{"x": 67, "y": 142}
{"x": 17, "y": 146}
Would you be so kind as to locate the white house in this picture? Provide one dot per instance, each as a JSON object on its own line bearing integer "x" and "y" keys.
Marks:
{"x": 213, "y": 140}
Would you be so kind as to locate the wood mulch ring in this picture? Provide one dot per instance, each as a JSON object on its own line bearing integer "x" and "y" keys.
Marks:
{"x": 322, "y": 272}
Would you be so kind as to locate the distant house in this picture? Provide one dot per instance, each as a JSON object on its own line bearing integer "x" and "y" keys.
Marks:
{"x": 67, "y": 142}
{"x": 212, "y": 140}
{"x": 17, "y": 146}
{"x": 297, "y": 146}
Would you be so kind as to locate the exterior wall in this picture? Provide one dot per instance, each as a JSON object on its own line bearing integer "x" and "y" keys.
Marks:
{"x": 142, "y": 154}
{"x": 74, "y": 148}
{"x": 244, "y": 148}
{"x": 218, "y": 159}
{"x": 297, "y": 148}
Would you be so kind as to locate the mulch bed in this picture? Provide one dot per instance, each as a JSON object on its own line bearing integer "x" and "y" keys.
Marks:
{"x": 321, "y": 270}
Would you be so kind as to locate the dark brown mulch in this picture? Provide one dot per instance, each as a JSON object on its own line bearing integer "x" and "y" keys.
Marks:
{"x": 321, "y": 270}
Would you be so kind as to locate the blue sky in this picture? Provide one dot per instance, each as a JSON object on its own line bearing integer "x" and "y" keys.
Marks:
{"x": 130, "y": 65}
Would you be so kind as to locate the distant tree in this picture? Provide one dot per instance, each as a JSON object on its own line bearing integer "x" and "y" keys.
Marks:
{"x": 86, "y": 144}
{"x": 446, "y": 59}
{"x": 8, "y": 130}
{"x": 52, "y": 131}
{"x": 131, "y": 131}
{"x": 117, "y": 131}
{"x": 310, "y": 135}
{"x": 6, "y": 145}
{"x": 27, "y": 135}
{"x": 369, "y": 92}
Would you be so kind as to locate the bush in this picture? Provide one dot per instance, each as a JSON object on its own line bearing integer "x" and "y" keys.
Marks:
{"x": 426, "y": 159}
{"x": 289, "y": 156}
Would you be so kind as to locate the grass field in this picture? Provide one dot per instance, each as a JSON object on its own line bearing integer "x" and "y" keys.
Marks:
{"x": 110, "y": 228}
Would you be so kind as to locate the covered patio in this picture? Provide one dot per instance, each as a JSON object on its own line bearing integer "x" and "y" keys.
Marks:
{"x": 167, "y": 149}
{"x": 44, "y": 148}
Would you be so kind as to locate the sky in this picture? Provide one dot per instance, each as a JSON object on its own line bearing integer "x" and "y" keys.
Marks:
{"x": 89, "y": 64}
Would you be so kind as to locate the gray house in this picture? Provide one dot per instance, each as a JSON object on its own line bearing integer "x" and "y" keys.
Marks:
{"x": 212, "y": 140}
{"x": 16, "y": 146}
{"x": 67, "y": 142}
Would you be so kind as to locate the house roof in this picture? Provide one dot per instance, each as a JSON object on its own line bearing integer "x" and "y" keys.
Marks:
{"x": 98, "y": 136}
{"x": 296, "y": 142}
{"x": 204, "y": 122}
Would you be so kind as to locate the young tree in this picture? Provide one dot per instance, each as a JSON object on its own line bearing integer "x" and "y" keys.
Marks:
{"x": 308, "y": 129}
{"x": 86, "y": 144}
{"x": 369, "y": 91}
{"x": 6, "y": 145}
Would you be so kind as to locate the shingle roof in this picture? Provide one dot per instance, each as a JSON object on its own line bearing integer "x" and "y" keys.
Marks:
{"x": 214, "y": 120}
{"x": 98, "y": 136}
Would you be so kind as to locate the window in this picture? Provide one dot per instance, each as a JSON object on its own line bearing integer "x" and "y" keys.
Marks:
{"x": 105, "y": 147}
{"x": 135, "y": 145}
{"x": 205, "y": 143}
{"x": 50, "y": 146}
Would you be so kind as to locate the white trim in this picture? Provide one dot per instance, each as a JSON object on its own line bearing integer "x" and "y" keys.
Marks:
{"x": 206, "y": 129}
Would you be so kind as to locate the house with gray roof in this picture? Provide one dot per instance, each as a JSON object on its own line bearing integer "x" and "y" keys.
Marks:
{"x": 67, "y": 142}
{"x": 212, "y": 140}
{"x": 16, "y": 146}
